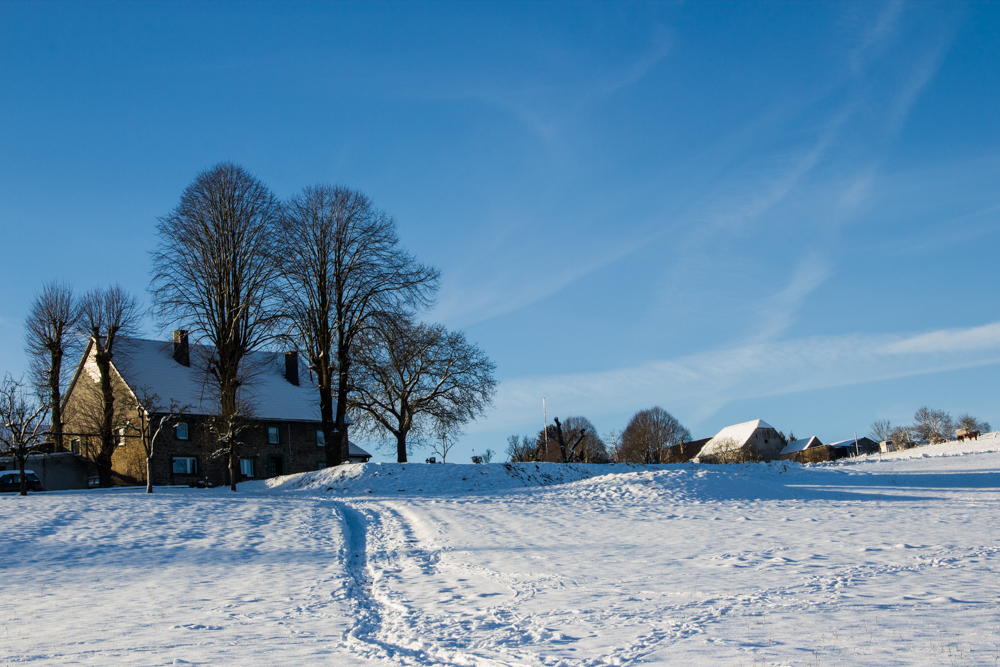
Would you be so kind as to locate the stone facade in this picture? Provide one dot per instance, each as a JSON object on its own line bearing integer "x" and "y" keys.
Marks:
{"x": 188, "y": 454}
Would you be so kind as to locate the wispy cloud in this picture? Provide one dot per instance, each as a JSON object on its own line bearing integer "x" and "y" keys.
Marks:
{"x": 696, "y": 386}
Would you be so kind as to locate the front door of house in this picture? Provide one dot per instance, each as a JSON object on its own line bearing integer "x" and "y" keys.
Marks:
{"x": 275, "y": 466}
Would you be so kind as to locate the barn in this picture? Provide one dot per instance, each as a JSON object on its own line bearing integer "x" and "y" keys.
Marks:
{"x": 749, "y": 441}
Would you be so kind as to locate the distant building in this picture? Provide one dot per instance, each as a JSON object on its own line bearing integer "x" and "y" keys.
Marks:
{"x": 797, "y": 446}
{"x": 750, "y": 441}
{"x": 852, "y": 447}
{"x": 284, "y": 437}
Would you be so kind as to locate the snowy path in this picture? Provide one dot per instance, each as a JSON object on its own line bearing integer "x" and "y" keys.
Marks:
{"x": 891, "y": 563}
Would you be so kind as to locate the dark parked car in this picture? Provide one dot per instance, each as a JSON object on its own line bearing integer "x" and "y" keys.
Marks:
{"x": 10, "y": 480}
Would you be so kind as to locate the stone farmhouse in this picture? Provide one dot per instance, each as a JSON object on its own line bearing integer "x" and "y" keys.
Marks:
{"x": 284, "y": 434}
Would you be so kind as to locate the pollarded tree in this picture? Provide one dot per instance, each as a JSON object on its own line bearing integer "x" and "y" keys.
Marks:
{"x": 591, "y": 448}
{"x": 343, "y": 269}
{"x": 215, "y": 273}
{"x": 21, "y": 420}
{"x": 648, "y": 436}
{"x": 107, "y": 316}
{"x": 410, "y": 377}
{"x": 49, "y": 336}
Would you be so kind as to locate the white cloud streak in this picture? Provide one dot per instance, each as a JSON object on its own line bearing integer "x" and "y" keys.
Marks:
{"x": 698, "y": 385}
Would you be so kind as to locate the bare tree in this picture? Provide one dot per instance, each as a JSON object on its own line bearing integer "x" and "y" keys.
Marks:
{"x": 970, "y": 423}
{"x": 649, "y": 434}
{"x": 933, "y": 426}
{"x": 485, "y": 457}
{"x": 591, "y": 448}
{"x": 214, "y": 271}
{"x": 410, "y": 376}
{"x": 107, "y": 316}
{"x": 20, "y": 424}
{"x": 881, "y": 430}
{"x": 730, "y": 450}
{"x": 901, "y": 438}
{"x": 444, "y": 439}
{"x": 523, "y": 449}
{"x": 153, "y": 418}
{"x": 48, "y": 338}
{"x": 343, "y": 269}
{"x": 615, "y": 446}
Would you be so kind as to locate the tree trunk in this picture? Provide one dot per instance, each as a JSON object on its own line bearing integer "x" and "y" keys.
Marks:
{"x": 24, "y": 480}
{"x": 326, "y": 416}
{"x": 55, "y": 399}
{"x": 106, "y": 452}
{"x": 342, "y": 449}
{"x": 149, "y": 474}
{"x": 233, "y": 463}
{"x": 401, "y": 446}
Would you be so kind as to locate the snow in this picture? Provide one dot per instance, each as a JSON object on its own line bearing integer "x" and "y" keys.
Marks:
{"x": 858, "y": 561}
{"x": 150, "y": 364}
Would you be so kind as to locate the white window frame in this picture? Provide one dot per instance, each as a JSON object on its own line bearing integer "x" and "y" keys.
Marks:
{"x": 246, "y": 464}
{"x": 276, "y": 431}
{"x": 190, "y": 465}
{"x": 320, "y": 438}
{"x": 187, "y": 431}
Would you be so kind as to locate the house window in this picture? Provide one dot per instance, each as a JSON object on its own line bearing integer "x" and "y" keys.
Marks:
{"x": 182, "y": 432}
{"x": 320, "y": 438}
{"x": 274, "y": 435}
{"x": 246, "y": 467}
{"x": 185, "y": 465}
{"x": 74, "y": 446}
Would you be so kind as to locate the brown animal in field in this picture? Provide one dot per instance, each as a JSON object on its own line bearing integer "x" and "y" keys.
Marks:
{"x": 964, "y": 434}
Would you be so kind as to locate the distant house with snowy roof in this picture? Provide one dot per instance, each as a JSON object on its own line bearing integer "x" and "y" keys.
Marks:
{"x": 808, "y": 450}
{"x": 796, "y": 446}
{"x": 750, "y": 441}
{"x": 284, "y": 436}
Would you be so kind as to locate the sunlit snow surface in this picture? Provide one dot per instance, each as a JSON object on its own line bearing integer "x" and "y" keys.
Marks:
{"x": 864, "y": 562}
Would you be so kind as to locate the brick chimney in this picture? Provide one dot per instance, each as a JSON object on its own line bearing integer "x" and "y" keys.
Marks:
{"x": 292, "y": 367}
{"x": 182, "y": 352}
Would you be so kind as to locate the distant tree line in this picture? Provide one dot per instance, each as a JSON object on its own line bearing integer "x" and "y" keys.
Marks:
{"x": 647, "y": 438}
{"x": 929, "y": 426}
{"x": 322, "y": 272}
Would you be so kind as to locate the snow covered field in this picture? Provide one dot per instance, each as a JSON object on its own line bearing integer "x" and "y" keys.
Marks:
{"x": 891, "y": 562}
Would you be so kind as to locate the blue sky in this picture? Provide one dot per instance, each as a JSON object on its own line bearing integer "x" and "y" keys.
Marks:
{"x": 785, "y": 211}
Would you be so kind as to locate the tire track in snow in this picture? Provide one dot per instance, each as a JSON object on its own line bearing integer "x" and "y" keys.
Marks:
{"x": 384, "y": 627}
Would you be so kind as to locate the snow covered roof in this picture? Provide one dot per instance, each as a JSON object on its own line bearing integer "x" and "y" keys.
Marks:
{"x": 738, "y": 432}
{"x": 150, "y": 365}
{"x": 357, "y": 451}
{"x": 800, "y": 445}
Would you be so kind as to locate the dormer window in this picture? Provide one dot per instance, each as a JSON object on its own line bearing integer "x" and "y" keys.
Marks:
{"x": 181, "y": 431}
